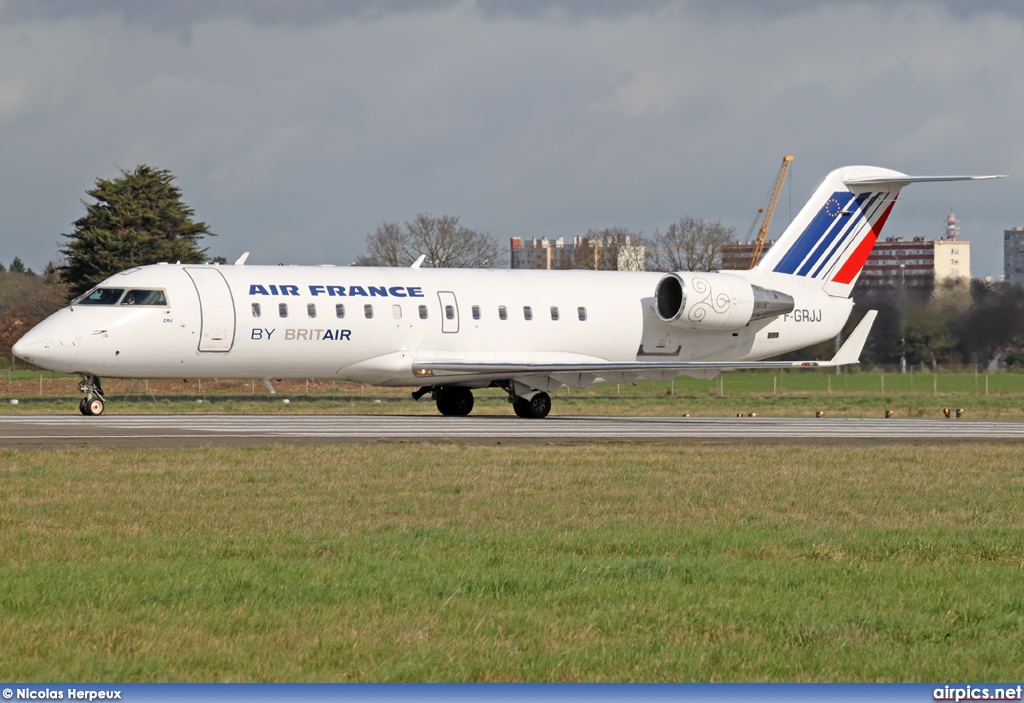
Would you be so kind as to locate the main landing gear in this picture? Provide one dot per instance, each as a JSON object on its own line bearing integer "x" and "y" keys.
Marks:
{"x": 93, "y": 402}
{"x": 453, "y": 401}
{"x": 456, "y": 401}
{"x": 536, "y": 407}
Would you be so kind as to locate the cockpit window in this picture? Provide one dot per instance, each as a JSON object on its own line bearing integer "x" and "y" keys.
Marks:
{"x": 144, "y": 297}
{"x": 100, "y": 296}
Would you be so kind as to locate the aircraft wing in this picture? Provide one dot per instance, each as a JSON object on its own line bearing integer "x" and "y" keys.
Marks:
{"x": 849, "y": 353}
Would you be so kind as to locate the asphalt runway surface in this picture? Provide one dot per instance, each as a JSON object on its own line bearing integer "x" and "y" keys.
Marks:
{"x": 136, "y": 431}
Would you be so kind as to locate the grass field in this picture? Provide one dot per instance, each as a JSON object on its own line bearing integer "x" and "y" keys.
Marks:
{"x": 794, "y": 394}
{"x": 452, "y": 562}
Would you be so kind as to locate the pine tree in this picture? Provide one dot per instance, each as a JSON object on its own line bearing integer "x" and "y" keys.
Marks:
{"x": 137, "y": 219}
{"x": 17, "y": 266}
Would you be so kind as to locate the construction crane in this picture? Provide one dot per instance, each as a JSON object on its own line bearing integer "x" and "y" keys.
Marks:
{"x": 769, "y": 210}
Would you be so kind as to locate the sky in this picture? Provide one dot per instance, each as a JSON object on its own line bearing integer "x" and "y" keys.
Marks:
{"x": 295, "y": 127}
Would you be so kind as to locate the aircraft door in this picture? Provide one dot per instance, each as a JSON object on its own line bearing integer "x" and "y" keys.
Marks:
{"x": 217, "y": 310}
{"x": 449, "y": 312}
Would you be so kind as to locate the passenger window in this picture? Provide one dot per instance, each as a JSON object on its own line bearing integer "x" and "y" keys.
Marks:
{"x": 423, "y": 312}
{"x": 554, "y": 313}
{"x": 255, "y": 309}
{"x": 311, "y": 309}
{"x": 476, "y": 312}
{"x": 100, "y": 296}
{"x": 527, "y": 312}
{"x": 396, "y": 310}
{"x": 582, "y": 312}
{"x": 449, "y": 312}
{"x": 282, "y": 309}
{"x": 502, "y": 313}
{"x": 339, "y": 310}
{"x": 368, "y": 311}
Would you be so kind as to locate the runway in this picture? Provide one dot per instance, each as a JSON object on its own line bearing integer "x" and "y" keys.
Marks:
{"x": 52, "y": 431}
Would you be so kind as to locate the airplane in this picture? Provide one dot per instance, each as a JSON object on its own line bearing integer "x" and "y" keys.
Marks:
{"x": 446, "y": 332}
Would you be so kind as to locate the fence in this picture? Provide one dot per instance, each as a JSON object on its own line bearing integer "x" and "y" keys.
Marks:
{"x": 25, "y": 384}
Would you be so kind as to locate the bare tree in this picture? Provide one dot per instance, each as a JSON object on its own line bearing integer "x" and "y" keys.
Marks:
{"x": 385, "y": 247}
{"x": 608, "y": 249}
{"x": 444, "y": 242}
{"x": 691, "y": 244}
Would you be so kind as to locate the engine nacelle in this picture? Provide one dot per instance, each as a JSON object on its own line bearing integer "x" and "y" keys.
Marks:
{"x": 715, "y": 301}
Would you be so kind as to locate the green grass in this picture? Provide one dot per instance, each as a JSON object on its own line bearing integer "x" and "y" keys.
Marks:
{"x": 450, "y": 562}
{"x": 790, "y": 394}
{"x": 801, "y": 393}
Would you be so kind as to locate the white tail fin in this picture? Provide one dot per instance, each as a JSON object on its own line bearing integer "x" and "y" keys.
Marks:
{"x": 833, "y": 234}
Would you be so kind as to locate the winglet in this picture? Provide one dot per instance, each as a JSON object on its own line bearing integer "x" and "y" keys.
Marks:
{"x": 240, "y": 261}
{"x": 849, "y": 353}
{"x": 418, "y": 262}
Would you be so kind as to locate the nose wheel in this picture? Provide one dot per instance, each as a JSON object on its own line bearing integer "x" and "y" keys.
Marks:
{"x": 91, "y": 407}
{"x": 93, "y": 403}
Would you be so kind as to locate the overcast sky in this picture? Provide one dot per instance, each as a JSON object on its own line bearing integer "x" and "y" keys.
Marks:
{"x": 295, "y": 127}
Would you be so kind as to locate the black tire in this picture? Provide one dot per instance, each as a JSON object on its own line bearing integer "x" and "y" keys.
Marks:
{"x": 536, "y": 408}
{"x": 454, "y": 402}
{"x": 82, "y": 408}
{"x": 94, "y": 407}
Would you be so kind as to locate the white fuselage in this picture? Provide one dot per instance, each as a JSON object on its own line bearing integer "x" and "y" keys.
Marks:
{"x": 211, "y": 327}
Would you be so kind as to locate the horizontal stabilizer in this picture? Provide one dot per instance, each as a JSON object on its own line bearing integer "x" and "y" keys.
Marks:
{"x": 902, "y": 179}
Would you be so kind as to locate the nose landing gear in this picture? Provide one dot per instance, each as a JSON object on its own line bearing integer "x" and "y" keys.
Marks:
{"x": 93, "y": 403}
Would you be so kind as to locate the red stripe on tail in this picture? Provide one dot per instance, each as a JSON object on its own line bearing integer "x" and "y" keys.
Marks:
{"x": 856, "y": 261}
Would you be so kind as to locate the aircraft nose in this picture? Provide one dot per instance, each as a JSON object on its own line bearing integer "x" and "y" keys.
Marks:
{"x": 34, "y": 346}
{"x": 50, "y": 344}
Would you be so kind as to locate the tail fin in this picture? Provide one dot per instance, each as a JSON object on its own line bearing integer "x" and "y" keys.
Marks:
{"x": 833, "y": 234}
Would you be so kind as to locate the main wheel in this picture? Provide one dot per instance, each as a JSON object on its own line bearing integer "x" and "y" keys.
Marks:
{"x": 536, "y": 408}
{"x": 94, "y": 407}
{"x": 454, "y": 401}
{"x": 82, "y": 408}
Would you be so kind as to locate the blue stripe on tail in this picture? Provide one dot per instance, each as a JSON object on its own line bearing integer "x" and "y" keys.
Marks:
{"x": 810, "y": 237}
{"x": 846, "y": 224}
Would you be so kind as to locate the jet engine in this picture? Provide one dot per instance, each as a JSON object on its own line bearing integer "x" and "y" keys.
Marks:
{"x": 716, "y": 301}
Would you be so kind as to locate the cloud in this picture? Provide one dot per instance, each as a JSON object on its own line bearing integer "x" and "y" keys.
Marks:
{"x": 295, "y": 128}
{"x": 180, "y": 16}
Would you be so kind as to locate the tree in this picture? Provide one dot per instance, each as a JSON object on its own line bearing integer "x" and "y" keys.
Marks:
{"x": 691, "y": 244}
{"x": 386, "y": 247}
{"x": 17, "y": 266}
{"x": 29, "y": 310}
{"x": 444, "y": 242}
{"x": 608, "y": 249}
{"x": 137, "y": 219}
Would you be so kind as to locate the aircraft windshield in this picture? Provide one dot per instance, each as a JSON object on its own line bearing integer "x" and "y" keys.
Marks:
{"x": 100, "y": 296}
{"x": 144, "y": 297}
